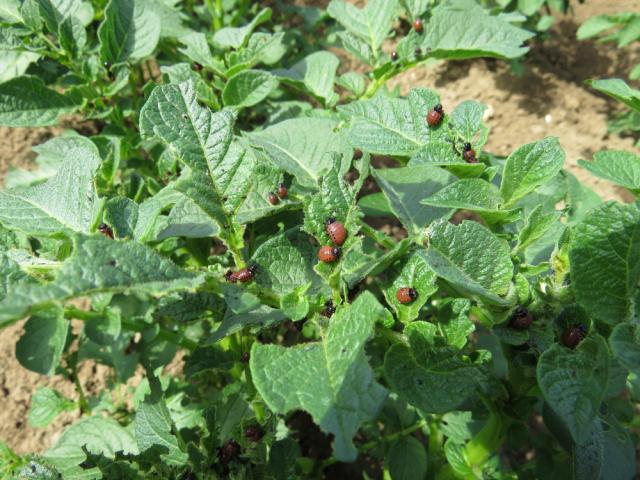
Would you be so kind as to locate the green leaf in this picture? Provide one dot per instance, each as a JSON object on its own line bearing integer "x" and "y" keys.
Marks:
{"x": 316, "y": 73}
{"x": 594, "y": 26}
{"x": 51, "y": 155}
{"x": 365, "y": 258}
{"x": 121, "y": 214}
{"x": 427, "y": 373}
{"x": 617, "y": 166}
{"x": 285, "y": 262}
{"x": 453, "y": 321}
{"x": 46, "y": 405}
{"x": 471, "y": 259}
{"x": 605, "y": 262}
{"x": 244, "y": 309}
{"x": 197, "y": 50}
{"x": 41, "y": 345}
{"x": 303, "y": 147}
{"x": 154, "y": 430}
{"x": 99, "y": 436}
{"x": 536, "y": 226}
{"x": 99, "y": 264}
{"x": 473, "y": 194}
{"x": 407, "y": 459}
{"x": 405, "y": 187}
{"x": 415, "y": 8}
{"x": 441, "y": 153}
{"x": 356, "y": 47}
{"x": 220, "y": 171}
{"x": 65, "y": 203}
{"x": 618, "y": 89}
{"x": 262, "y": 48}
{"x": 392, "y": 126}
{"x": 72, "y": 36}
{"x": 625, "y": 345}
{"x": 26, "y": 102}
{"x": 336, "y": 199}
{"x": 573, "y": 382}
{"x": 10, "y": 11}
{"x": 530, "y": 166}
{"x": 130, "y": 31}
{"x": 353, "y": 82}
{"x": 330, "y": 379}
{"x": 413, "y": 272}
{"x": 466, "y": 118}
{"x": 375, "y": 205}
{"x": 461, "y": 29}
{"x": 248, "y": 88}
{"x": 371, "y": 24}
{"x": 15, "y": 63}
{"x": 55, "y": 12}
{"x": 230, "y": 37}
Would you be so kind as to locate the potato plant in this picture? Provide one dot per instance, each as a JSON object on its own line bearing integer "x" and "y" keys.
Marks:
{"x": 225, "y": 219}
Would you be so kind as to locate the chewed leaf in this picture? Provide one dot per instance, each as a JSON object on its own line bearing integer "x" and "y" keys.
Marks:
{"x": 304, "y": 147}
{"x": 574, "y": 382}
{"x": 472, "y": 259}
{"x": 99, "y": 264}
{"x": 27, "y": 102}
{"x": 330, "y": 379}
{"x": 617, "y": 166}
{"x": 65, "y": 203}
{"x": 405, "y": 187}
{"x": 411, "y": 272}
{"x": 530, "y": 166}
{"x": 428, "y": 374}
{"x": 605, "y": 262}
{"x": 286, "y": 262}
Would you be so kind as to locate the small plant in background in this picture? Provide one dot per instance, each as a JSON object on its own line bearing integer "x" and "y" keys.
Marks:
{"x": 623, "y": 29}
{"x": 224, "y": 209}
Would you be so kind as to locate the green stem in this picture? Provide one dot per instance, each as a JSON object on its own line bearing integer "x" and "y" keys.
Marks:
{"x": 377, "y": 237}
{"x": 133, "y": 326}
{"x": 480, "y": 448}
{"x": 378, "y": 83}
{"x": 394, "y": 436}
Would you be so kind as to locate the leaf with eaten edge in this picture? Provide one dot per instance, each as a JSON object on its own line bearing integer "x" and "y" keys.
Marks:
{"x": 330, "y": 379}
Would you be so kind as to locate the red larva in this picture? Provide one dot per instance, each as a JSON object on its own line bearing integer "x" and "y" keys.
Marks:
{"x": 521, "y": 319}
{"x": 469, "y": 153}
{"x": 573, "y": 335}
{"x": 435, "y": 115}
{"x": 282, "y": 191}
{"x": 418, "y": 26}
{"x": 229, "y": 451}
{"x": 246, "y": 274}
{"x": 197, "y": 67}
{"x": 230, "y": 277}
{"x": 336, "y": 231}
{"x": 105, "y": 229}
{"x": 253, "y": 433}
{"x": 406, "y": 294}
{"x": 328, "y": 254}
{"x": 273, "y": 199}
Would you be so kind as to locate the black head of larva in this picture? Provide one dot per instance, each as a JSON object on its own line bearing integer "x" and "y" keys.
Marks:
{"x": 413, "y": 293}
{"x": 330, "y": 220}
{"x": 253, "y": 268}
{"x": 467, "y": 147}
{"x": 438, "y": 108}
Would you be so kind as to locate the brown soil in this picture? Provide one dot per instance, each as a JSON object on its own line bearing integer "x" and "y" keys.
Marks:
{"x": 550, "y": 98}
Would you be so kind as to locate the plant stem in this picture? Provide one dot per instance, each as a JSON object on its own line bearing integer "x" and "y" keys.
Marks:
{"x": 395, "y": 435}
{"x": 133, "y": 326}
{"x": 377, "y": 237}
